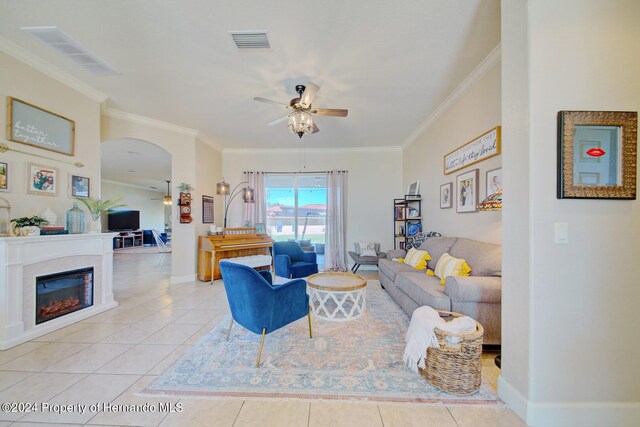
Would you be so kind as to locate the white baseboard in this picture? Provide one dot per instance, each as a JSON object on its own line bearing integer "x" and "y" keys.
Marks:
{"x": 582, "y": 414}
{"x": 512, "y": 397}
{"x": 174, "y": 280}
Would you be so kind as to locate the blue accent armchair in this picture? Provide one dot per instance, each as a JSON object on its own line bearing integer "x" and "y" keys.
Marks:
{"x": 292, "y": 262}
{"x": 258, "y": 305}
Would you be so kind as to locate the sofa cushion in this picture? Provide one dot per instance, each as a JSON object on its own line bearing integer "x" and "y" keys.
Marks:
{"x": 485, "y": 259}
{"x": 423, "y": 289}
{"x": 391, "y": 268}
{"x": 436, "y": 246}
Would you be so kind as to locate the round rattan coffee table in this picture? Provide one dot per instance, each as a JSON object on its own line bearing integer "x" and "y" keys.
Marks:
{"x": 337, "y": 296}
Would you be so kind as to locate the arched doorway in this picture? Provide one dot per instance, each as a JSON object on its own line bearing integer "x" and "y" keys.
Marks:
{"x": 139, "y": 172}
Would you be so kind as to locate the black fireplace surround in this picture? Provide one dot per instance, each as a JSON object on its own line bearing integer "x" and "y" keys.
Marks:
{"x": 63, "y": 293}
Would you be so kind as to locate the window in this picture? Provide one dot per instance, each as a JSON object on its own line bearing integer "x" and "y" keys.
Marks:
{"x": 297, "y": 207}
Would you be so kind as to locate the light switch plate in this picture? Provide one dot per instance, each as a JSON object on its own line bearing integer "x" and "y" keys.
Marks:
{"x": 561, "y": 233}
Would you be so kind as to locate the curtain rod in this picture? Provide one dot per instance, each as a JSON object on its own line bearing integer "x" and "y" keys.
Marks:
{"x": 296, "y": 173}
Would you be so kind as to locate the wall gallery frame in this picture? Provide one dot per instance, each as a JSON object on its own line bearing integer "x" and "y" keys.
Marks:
{"x": 5, "y": 176}
{"x": 494, "y": 181}
{"x": 207, "y": 209}
{"x": 42, "y": 180}
{"x": 597, "y": 154}
{"x": 35, "y": 126}
{"x": 467, "y": 192}
{"x": 79, "y": 186}
{"x": 446, "y": 195}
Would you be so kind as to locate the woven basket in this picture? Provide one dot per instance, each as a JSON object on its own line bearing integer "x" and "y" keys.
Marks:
{"x": 455, "y": 368}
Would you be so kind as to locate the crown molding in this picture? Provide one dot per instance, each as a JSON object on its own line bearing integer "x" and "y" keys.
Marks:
{"x": 312, "y": 150}
{"x": 39, "y": 64}
{"x": 485, "y": 66}
{"x": 142, "y": 120}
{"x": 136, "y": 186}
{"x": 208, "y": 141}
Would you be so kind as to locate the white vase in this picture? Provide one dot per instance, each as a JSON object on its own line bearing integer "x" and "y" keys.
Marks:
{"x": 31, "y": 230}
{"x": 96, "y": 225}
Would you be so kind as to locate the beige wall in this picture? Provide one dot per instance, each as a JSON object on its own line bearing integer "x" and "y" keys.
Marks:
{"x": 584, "y": 295}
{"x": 208, "y": 173}
{"x": 26, "y": 83}
{"x": 476, "y": 112}
{"x": 148, "y": 202}
{"x": 375, "y": 178}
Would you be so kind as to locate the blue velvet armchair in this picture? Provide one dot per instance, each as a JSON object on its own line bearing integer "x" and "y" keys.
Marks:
{"x": 259, "y": 306}
{"x": 292, "y": 262}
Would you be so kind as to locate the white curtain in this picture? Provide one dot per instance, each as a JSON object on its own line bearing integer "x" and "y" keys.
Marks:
{"x": 336, "y": 234}
{"x": 256, "y": 212}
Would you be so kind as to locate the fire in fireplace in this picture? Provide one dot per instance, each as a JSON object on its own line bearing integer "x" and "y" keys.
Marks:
{"x": 63, "y": 293}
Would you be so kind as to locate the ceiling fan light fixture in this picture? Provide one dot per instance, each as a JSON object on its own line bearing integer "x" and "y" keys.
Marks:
{"x": 167, "y": 200}
{"x": 300, "y": 123}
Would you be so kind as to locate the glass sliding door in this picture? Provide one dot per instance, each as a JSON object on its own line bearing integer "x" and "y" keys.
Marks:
{"x": 297, "y": 208}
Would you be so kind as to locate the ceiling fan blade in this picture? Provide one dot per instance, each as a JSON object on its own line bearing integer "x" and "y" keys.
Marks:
{"x": 275, "y": 122}
{"x": 315, "y": 129}
{"x": 268, "y": 101}
{"x": 336, "y": 112}
{"x": 308, "y": 95}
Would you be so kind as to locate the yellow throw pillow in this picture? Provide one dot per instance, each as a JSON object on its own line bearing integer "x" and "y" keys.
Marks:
{"x": 400, "y": 260}
{"x": 450, "y": 266}
{"x": 417, "y": 258}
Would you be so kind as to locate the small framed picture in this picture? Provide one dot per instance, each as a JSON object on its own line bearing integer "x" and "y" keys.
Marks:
{"x": 260, "y": 227}
{"x": 467, "y": 192}
{"x": 446, "y": 195}
{"x": 414, "y": 189}
{"x": 42, "y": 180}
{"x": 494, "y": 181}
{"x": 207, "y": 209}
{"x": 5, "y": 176}
{"x": 80, "y": 186}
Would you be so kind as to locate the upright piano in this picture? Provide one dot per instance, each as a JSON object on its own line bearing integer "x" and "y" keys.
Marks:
{"x": 235, "y": 243}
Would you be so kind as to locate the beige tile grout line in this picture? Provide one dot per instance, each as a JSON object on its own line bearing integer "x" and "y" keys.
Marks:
{"x": 454, "y": 418}
{"x": 238, "y": 414}
{"x": 380, "y": 414}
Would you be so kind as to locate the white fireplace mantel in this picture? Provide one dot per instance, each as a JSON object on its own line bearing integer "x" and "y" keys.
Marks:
{"x": 24, "y": 258}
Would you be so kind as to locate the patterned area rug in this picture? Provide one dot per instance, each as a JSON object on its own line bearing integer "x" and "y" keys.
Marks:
{"x": 354, "y": 360}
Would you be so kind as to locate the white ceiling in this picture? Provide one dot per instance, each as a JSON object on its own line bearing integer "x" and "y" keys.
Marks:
{"x": 136, "y": 162}
{"x": 390, "y": 63}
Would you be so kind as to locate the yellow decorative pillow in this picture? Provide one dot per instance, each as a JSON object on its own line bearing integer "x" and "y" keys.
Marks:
{"x": 450, "y": 266}
{"x": 400, "y": 260}
{"x": 417, "y": 258}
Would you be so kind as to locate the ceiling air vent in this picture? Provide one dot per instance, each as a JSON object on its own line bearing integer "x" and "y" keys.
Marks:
{"x": 53, "y": 37}
{"x": 250, "y": 40}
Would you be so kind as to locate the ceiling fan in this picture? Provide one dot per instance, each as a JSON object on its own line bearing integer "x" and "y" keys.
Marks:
{"x": 166, "y": 199}
{"x": 300, "y": 120}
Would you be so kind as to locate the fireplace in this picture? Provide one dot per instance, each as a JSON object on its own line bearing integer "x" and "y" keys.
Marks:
{"x": 63, "y": 293}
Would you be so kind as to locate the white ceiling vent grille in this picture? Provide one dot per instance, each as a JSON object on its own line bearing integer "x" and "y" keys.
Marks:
{"x": 250, "y": 40}
{"x": 53, "y": 37}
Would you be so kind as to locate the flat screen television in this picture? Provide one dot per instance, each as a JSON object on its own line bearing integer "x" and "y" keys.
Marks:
{"x": 123, "y": 220}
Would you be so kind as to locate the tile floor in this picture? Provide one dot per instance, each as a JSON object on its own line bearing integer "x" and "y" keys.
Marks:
{"x": 110, "y": 357}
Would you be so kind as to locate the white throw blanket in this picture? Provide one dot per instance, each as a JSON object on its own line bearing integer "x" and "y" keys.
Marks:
{"x": 421, "y": 336}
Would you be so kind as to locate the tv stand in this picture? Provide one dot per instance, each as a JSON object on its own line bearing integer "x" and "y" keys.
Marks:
{"x": 127, "y": 239}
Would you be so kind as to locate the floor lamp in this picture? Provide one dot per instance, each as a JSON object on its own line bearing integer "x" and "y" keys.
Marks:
{"x": 222, "y": 188}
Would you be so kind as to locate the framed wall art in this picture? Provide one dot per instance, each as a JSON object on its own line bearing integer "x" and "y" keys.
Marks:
{"x": 79, "y": 186}
{"x": 446, "y": 195}
{"x": 260, "y": 228}
{"x": 597, "y": 153}
{"x": 467, "y": 192}
{"x": 42, "y": 180}
{"x": 478, "y": 149}
{"x": 5, "y": 176}
{"x": 494, "y": 181}
{"x": 414, "y": 189}
{"x": 207, "y": 209}
{"x": 31, "y": 125}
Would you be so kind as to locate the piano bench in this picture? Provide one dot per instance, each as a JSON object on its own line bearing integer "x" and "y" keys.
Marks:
{"x": 253, "y": 261}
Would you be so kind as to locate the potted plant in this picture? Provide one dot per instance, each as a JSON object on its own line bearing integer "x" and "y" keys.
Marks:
{"x": 97, "y": 208}
{"x": 27, "y": 225}
{"x": 185, "y": 188}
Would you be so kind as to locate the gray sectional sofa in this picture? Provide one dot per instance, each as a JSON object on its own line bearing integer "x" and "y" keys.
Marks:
{"x": 477, "y": 296}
